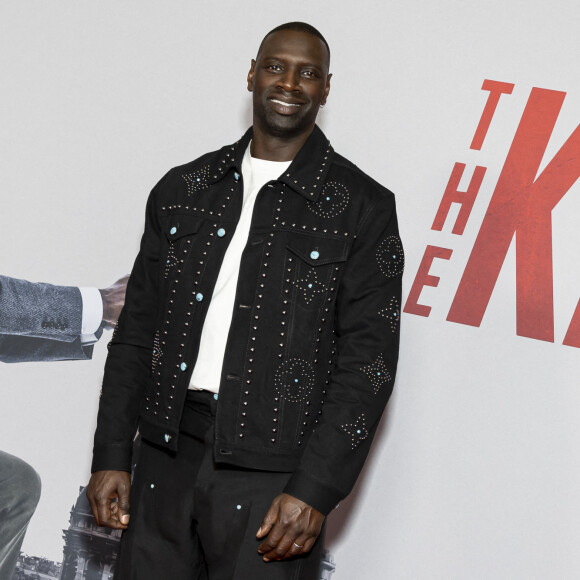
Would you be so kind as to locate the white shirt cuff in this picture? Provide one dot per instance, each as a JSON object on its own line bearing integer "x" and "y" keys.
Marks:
{"x": 92, "y": 314}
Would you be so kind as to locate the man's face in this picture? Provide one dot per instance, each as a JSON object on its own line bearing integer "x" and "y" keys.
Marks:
{"x": 289, "y": 80}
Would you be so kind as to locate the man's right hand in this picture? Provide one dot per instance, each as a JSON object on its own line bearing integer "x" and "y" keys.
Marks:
{"x": 113, "y": 301}
{"x": 108, "y": 494}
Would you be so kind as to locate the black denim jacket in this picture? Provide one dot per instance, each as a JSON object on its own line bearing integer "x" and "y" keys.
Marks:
{"x": 313, "y": 344}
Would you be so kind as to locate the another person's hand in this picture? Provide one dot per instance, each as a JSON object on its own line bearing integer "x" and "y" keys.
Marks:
{"x": 108, "y": 494}
{"x": 291, "y": 527}
{"x": 113, "y": 300}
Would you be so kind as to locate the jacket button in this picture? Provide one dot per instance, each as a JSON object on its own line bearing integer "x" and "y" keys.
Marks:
{"x": 236, "y": 176}
{"x": 314, "y": 255}
{"x": 221, "y": 232}
{"x": 215, "y": 396}
{"x": 173, "y": 231}
{"x": 183, "y": 366}
{"x": 199, "y": 296}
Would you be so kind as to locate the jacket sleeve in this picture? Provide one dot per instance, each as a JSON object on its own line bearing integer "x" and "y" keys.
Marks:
{"x": 367, "y": 331}
{"x": 128, "y": 365}
{"x": 17, "y": 349}
{"x": 40, "y": 310}
{"x": 40, "y": 322}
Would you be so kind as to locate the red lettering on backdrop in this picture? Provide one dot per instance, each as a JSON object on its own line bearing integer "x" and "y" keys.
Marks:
{"x": 465, "y": 198}
{"x": 496, "y": 90}
{"x": 423, "y": 278}
{"x": 522, "y": 204}
{"x": 572, "y": 337}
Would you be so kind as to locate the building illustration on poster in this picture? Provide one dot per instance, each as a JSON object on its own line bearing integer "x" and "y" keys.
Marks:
{"x": 327, "y": 565}
{"x": 90, "y": 552}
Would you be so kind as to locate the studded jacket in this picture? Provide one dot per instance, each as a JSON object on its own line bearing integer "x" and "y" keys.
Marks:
{"x": 313, "y": 345}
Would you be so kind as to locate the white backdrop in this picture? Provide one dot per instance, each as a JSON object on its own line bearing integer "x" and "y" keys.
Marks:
{"x": 474, "y": 474}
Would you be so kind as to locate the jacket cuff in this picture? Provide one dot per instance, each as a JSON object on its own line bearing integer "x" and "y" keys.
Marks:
{"x": 316, "y": 494}
{"x": 112, "y": 458}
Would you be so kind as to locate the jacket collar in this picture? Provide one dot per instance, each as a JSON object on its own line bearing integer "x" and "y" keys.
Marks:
{"x": 306, "y": 174}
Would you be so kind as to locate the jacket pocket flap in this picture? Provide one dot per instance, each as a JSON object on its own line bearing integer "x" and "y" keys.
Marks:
{"x": 318, "y": 251}
{"x": 180, "y": 226}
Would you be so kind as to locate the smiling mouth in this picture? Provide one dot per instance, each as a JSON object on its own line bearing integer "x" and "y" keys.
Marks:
{"x": 285, "y": 104}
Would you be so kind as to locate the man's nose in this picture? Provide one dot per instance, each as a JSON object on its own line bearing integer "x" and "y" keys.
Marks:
{"x": 290, "y": 81}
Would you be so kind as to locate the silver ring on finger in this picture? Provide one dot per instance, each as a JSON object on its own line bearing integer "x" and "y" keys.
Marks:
{"x": 298, "y": 545}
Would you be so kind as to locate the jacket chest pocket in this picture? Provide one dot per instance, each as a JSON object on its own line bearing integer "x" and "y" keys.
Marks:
{"x": 180, "y": 233}
{"x": 313, "y": 264}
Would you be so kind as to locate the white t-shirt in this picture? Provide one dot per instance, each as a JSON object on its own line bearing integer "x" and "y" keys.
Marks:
{"x": 214, "y": 335}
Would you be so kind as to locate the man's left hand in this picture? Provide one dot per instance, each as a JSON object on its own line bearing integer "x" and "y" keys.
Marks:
{"x": 291, "y": 527}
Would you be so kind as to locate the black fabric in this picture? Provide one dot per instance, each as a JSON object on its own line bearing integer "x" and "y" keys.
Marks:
{"x": 185, "y": 520}
{"x": 312, "y": 347}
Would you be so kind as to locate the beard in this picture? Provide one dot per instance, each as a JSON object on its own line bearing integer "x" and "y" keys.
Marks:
{"x": 280, "y": 125}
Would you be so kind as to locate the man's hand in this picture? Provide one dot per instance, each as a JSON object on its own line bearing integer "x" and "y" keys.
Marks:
{"x": 108, "y": 494}
{"x": 292, "y": 527}
{"x": 113, "y": 300}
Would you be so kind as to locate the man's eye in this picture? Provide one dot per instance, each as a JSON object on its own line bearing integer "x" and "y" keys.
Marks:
{"x": 274, "y": 67}
{"x": 310, "y": 74}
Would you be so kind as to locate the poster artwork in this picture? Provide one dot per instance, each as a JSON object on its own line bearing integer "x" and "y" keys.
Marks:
{"x": 521, "y": 206}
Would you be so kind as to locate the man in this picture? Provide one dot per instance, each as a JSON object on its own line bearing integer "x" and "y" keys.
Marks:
{"x": 43, "y": 322}
{"x": 258, "y": 343}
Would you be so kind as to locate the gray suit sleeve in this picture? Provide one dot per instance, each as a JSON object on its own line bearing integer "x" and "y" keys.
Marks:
{"x": 40, "y": 322}
{"x": 40, "y": 310}
{"x": 28, "y": 349}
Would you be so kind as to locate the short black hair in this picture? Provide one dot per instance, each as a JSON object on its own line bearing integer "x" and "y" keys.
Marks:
{"x": 300, "y": 27}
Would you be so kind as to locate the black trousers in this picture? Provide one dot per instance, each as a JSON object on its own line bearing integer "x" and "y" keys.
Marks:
{"x": 192, "y": 519}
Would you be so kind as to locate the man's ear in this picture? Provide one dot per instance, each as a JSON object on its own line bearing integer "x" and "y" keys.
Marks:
{"x": 251, "y": 76}
{"x": 326, "y": 88}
